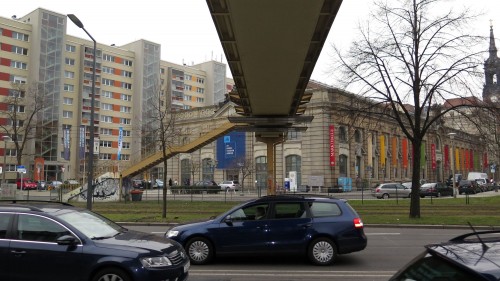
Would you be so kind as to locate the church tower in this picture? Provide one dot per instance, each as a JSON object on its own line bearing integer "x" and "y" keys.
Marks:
{"x": 491, "y": 90}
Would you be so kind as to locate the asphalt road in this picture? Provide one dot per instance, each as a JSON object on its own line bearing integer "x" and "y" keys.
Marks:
{"x": 388, "y": 250}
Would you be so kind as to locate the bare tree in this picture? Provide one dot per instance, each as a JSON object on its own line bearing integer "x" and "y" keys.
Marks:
{"x": 413, "y": 52}
{"x": 194, "y": 168}
{"x": 23, "y": 105}
{"x": 246, "y": 168}
{"x": 160, "y": 132}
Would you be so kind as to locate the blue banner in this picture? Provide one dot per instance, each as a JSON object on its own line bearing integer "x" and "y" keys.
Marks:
{"x": 66, "y": 143}
{"x": 120, "y": 140}
{"x": 81, "y": 145}
{"x": 230, "y": 148}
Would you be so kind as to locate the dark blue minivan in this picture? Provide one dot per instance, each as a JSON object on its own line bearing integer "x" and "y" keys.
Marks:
{"x": 313, "y": 226}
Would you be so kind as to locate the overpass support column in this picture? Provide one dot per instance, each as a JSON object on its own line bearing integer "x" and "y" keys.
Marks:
{"x": 271, "y": 161}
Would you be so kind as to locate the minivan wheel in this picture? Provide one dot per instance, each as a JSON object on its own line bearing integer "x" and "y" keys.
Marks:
{"x": 199, "y": 250}
{"x": 108, "y": 274}
{"x": 385, "y": 196}
{"x": 322, "y": 251}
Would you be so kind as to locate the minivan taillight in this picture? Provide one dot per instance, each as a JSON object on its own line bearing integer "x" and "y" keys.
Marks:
{"x": 358, "y": 223}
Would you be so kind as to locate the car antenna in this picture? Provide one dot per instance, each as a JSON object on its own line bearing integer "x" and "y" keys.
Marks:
{"x": 485, "y": 247}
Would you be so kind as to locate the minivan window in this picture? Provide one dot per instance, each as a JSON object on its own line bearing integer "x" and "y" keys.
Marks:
{"x": 289, "y": 210}
{"x": 35, "y": 228}
{"x": 4, "y": 224}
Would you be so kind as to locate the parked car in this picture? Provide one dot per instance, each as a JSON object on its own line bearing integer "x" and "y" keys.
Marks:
{"x": 158, "y": 183}
{"x": 54, "y": 184}
{"x": 472, "y": 256}
{"x": 333, "y": 227}
{"x": 207, "y": 184}
{"x": 468, "y": 187}
{"x": 138, "y": 184}
{"x": 26, "y": 184}
{"x": 83, "y": 244}
{"x": 435, "y": 189}
{"x": 230, "y": 185}
{"x": 393, "y": 189}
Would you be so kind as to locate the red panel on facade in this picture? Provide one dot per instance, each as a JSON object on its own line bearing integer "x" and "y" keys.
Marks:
{"x": 7, "y": 33}
{"x": 4, "y": 61}
{"x": 6, "y": 47}
{"x": 114, "y": 144}
{"x": 115, "y": 132}
{"x": 117, "y": 84}
{"x": 116, "y": 96}
{"x": 4, "y": 76}
{"x": 118, "y": 60}
{"x": 3, "y": 121}
{"x": 116, "y": 120}
{"x": 118, "y": 71}
{"x": 4, "y": 92}
{"x": 116, "y": 107}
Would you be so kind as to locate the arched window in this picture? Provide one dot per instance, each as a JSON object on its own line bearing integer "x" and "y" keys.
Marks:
{"x": 208, "y": 167}
{"x": 343, "y": 134}
{"x": 343, "y": 164}
{"x": 294, "y": 164}
{"x": 357, "y": 136}
{"x": 261, "y": 172}
{"x": 185, "y": 171}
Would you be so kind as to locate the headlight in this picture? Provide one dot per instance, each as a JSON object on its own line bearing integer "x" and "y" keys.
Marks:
{"x": 155, "y": 262}
{"x": 172, "y": 233}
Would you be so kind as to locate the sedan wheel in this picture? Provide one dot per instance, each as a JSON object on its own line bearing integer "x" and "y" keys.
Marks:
{"x": 322, "y": 251}
{"x": 111, "y": 274}
{"x": 199, "y": 250}
{"x": 385, "y": 196}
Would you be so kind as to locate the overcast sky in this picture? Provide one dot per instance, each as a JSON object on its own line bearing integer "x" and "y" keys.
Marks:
{"x": 185, "y": 29}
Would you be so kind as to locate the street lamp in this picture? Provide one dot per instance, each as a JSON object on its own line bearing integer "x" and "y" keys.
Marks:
{"x": 452, "y": 135}
{"x": 90, "y": 165}
{"x": 5, "y": 138}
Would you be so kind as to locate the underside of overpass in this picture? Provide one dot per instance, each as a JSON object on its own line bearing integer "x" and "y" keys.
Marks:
{"x": 271, "y": 47}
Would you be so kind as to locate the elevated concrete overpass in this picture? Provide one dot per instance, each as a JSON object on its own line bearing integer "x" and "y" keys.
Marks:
{"x": 272, "y": 47}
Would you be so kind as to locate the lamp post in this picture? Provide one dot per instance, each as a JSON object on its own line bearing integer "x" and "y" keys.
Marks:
{"x": 452, "y": 135}
{"x": 5, "y": 138}
{"x": 90, "y": 178}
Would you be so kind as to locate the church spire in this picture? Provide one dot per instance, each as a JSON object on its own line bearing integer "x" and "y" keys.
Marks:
{"x": 493, "y": 48}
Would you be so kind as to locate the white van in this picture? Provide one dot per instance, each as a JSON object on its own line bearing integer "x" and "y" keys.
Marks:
{"x": 481, "y": 178}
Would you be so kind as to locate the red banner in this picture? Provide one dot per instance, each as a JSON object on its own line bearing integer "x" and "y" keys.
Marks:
{"x": 332, "y": 146}
{"x": 405, "y": 153}
{"x": 433, "y": 156}
{"x": 39, "y": 173}
{"x": 446, "y": 156}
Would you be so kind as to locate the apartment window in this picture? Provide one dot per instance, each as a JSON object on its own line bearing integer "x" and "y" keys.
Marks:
{"x": 70, "y": 48}
{"x": 108, "y": 82}
{"x": 106, "y": 106}
{"x": 108, "y": 70}
{"x": 20, "y": 36}
{"x": 126, "y": 85}
{"x": 200, "y": 100}
{"x": 18, "y": 64}
{"x": 162, "y": 70}
{"x": 200, "y": 90}
{"x": 187, "y": 87}
{"x": 69, "y": 74}
{"x": 69, "y": 61}
{"x": 69, "y": 88}
{"x": 20, "y": 50}
{"x": 126, "y": 97}
{"x": 125, "y": 109}
{"x": 343, "y": 134}
{"x": 67, "y": 114}
{"x": 126, "y": 73}
{"x": 17, "y": 93}
{"x": 127, "y": 62}
{"x": 11, "y": 168}
{"x": 126, "y": 133}
{"x": 107, "y": 94}
{"x": 15, "y": 123}
{"x": 16, "y": 107}
{"x": 107, "y": 132}
{"x": 187, "y": 97}
{"x": 106, "y": 119}
{"x": 11, "y": 152}
{"x": 125, "y": 121}
{"x": 19, "y": 80}
{"x": 125, "y": 145}
{"x": 107, "y": 57}
{"x": 125, "y": 157}
{"x": 187, "y": 77}
{"x": 200, "y": 80}
{"x": 104, "y": 156}
{"x": 68, "y": 101}
{"x": 293, "y": 135}
{"x": 106, "y": 143}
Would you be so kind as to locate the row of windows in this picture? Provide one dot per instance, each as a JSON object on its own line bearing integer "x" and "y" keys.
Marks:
{"x": 190, "y": 77}
{"x": 111, "y": 58}
{"x": 109, "y": 119}
{"x": 18, "y": 64}
{"x": 107, "y": 156}
{"x": 123, "y": 109}
{"x": 109, "y": 132}
{"x": 111, "y": 70}
{"x": 103, "y": 143}
{"x": 108, "y": 94}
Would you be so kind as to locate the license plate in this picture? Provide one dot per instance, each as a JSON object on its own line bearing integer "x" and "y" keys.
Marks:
{"x": 186, "y": 266}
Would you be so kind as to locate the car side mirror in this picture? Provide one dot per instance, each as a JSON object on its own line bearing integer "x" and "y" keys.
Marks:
{"x": 68, "y": 240}
{"x": 228, "y": 220}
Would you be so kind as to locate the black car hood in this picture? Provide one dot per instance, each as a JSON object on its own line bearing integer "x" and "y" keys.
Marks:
{"x": 140, "y": 241}
{"x": 485, "y": 260}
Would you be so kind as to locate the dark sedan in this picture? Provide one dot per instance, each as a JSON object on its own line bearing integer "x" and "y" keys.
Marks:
{"x": 54, "y": 241}
{"x": 468, "y": 187}
{"x": 435, "y": 189}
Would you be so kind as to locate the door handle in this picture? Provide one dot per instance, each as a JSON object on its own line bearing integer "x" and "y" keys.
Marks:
{"x": 18, "y": 253}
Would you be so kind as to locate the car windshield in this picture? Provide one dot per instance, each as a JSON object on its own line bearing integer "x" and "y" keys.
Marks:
{"x": 91, "y": 224}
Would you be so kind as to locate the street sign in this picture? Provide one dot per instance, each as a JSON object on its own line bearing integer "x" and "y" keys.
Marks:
{"x": 21, "y": 170}
{"x": 20, "y": 167}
